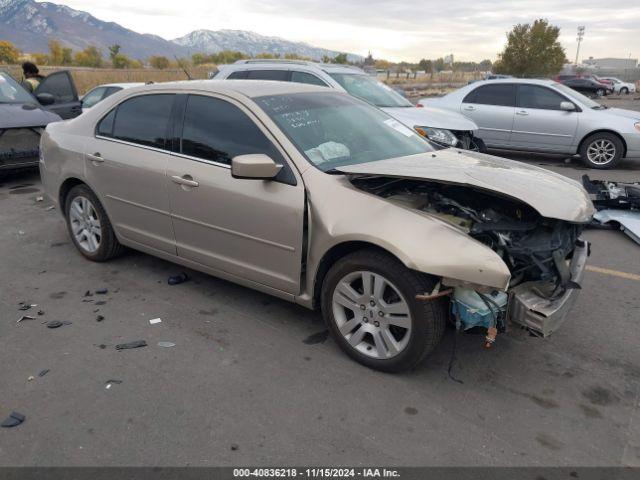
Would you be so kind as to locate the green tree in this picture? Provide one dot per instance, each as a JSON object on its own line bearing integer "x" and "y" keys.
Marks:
{"x": 438, "y": 64}
{"x": 532, "y": 50}
{"x": 267, "y": 55}
{"x": 114, "y": 51}
{"x": 426, "y": 65}
{"x": 89, "y": 57}
{"x": 9, "y": 53}
{"x": 198, "y": 58}
{"x": 340, "y": 58}
{"x": 120, "y": 60}
{"x": 159, "y": 62}
{"x": 56, "y": 52}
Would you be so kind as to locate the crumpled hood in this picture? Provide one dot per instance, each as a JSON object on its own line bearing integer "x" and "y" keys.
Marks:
{"x": 621, "y": 112}
{"x": 550, "y": 194}
{"x": 25, "y": 115}
{"x": 431, "y": 117}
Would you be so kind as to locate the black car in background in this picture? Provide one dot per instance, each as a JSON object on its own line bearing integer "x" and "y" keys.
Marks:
{"x": 586, "y": 86}
{"x": 24, "y": 116}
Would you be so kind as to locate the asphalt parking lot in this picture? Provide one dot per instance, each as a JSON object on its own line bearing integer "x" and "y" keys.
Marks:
{"x": 253, "y": 380}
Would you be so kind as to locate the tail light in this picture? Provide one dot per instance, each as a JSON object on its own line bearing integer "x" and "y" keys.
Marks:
{"x": 419, "y": 105}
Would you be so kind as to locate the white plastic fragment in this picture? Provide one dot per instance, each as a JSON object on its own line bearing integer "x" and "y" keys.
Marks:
{"x": 153, "y": 321}
{"x": 166, "y": 344}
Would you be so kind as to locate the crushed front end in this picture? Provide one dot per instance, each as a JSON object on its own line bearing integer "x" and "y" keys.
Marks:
{"x": 19, "y": 147}
{"x": 546, "y": 257}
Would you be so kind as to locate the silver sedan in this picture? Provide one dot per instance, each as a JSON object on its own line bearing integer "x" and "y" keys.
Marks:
{"x": 546, "y": 116}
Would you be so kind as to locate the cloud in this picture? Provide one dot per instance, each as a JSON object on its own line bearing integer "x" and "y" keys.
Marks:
{"x": 393, "y": 29}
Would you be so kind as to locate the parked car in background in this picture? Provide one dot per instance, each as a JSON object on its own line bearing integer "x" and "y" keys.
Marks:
{"x": 101, "y": 92}
{"x": 588, "y": 86}
{"x": 57, "y": 93}
{"x": 546, "y": 116}
{"x": 319, "y": 198}
{"x": 623, "y": 88}
{"x": 442, "y": 127}
{"x": 22, "y": 120}
{"x": 599, "y": 88}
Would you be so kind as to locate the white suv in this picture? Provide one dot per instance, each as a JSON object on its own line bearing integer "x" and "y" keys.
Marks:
{"x": 440, "y": 126}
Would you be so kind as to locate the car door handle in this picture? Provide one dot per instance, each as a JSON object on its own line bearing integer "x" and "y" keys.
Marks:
{"x": 469, "y": 108}
{"x": 522, "y": 112}
{"x": 184, "y": 180}
{"x": 95, "y": 157}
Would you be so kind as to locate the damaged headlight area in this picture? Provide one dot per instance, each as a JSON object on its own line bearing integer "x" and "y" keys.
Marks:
{"x": 19, "y": 147}
{"x": 538, "y": 251}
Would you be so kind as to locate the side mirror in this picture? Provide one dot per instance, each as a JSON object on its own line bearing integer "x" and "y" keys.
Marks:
{"x": 567, "y": 106}
{"x": 45, "y": 99}
{"x": 255, "y": 166}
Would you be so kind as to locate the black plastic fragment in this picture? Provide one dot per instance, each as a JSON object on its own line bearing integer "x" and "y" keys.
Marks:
{"x": 54, "y": 324}
{"x": 43, "y": 372}
{"x": 177, "y": 279}
{"x": 13, "y": 420}
{"x": 102, "y": 291}
{"x": 135, "y": 344}
{"x": 99, "y": 318}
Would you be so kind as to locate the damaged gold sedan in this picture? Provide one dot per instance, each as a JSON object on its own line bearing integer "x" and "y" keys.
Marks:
{"x": 318, "y": 198}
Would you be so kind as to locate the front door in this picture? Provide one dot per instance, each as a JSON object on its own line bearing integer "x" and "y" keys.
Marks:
{"x": 251, "y": 229}
{"x": 539, "y": 121}
{"x": 61, "y": 86}
{"x": 126, "y": 164}
{"x": 492, "y": 108}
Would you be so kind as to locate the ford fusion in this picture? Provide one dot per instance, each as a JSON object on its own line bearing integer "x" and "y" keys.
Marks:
{"x": 318, "y": 198}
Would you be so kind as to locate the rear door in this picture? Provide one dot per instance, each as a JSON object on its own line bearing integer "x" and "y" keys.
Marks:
{"x": 251, "y": 229}
{"x": 126, "y": 163}
{"x": 540, "y": 123}
{"x": 61, "y": 86}
{"x": 492, "y": 108}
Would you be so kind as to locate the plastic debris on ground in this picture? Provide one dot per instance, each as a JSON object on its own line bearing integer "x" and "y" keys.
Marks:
{"x": 102, "y": 291}
{"x": 25, "y": 317}
{"x": 56, "y": 324}
{"x": 177, "y": 279}
{"x": 166, "y": 344}
{"x": 13, "y": 420}
{"x": 130, "y": 345}
{"x": 43, "y": 372}
{"x": 50, "y": 207}
{"x": 153, "y": 321}
{"x": 39, "y": 199}
{"x": 99, "y": 318}
{"x": 108, "y": 383}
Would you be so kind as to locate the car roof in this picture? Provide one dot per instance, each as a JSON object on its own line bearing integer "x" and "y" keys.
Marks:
{"x": 248, "y": 88}
{"x": 123, "y": 85}
{"x": 285, "y": 64}
{"x": 531, "y": 81}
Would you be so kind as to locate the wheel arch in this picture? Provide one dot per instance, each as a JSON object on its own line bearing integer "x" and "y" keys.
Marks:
{"x": 64, "y": 190}
{"x": 604, "y": 130}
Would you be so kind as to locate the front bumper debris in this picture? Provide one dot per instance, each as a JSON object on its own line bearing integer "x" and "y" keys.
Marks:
{"x": 542, "y": 315}
{"x": 19, "y": 148}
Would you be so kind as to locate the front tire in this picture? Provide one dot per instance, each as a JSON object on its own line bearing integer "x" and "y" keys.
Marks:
{"x": 601, "y": 151}
{"x": 624, "y": 91}
{"x": 89, "y": 227}
{"x": 369, "y": 304}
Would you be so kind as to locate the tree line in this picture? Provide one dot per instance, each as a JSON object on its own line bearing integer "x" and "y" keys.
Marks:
{"x": 531, "y": 50}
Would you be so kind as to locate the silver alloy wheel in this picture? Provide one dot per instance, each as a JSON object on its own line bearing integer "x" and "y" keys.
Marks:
{"x": 85, "y": 224}
{"x": 601, "y": 151}
{"x": 371, "y": 314}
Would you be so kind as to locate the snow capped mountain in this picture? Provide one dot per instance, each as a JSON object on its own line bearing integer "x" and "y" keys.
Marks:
{"x": 209, "y": 41}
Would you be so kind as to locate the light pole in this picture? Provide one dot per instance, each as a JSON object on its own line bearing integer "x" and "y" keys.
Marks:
{"x": 580, "y": 37}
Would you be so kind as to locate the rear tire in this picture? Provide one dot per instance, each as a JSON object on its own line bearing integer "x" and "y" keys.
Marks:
{"x": 89, "y": 227}
{"x": 601, "y": 150}
{"x": 600, "y": 92}
{"x": 384, "y": 328}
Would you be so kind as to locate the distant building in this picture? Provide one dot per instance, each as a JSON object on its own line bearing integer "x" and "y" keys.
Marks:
{"x": 612, "y": 63}
{"x": 369, "y": 61}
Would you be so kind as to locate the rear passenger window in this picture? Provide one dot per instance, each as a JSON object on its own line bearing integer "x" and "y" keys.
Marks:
{"x": 281, "y": 75}
{"x": 240, "y": 74}
{"x": 105, "y": 127}
{"x": 144, "y": 120}
{"x": 303, "y": 77}
{"x": 216, "y": 130}
{"x": 499, "y": 94}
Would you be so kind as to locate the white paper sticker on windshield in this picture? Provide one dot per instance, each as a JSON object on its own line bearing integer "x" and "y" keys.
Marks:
{"x": 396, "y": 125}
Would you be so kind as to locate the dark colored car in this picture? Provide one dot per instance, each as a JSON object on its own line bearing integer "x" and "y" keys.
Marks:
{"x": 24, "y": 116}
{"x": 587, "y": 86}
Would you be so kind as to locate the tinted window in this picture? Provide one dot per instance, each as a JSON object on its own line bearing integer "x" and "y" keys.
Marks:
{"x": 303, "y": 77}
{"x": 281, "y": 75}
{"x": 110, "y": 91}
{"x": 93, "y": 97}
{"x": 105, "y": 127}
{"x": 237, "y": 75}
{"x": 497, "y": 94}
{"x": 59, "y": 85}
{"x": 217, "y": 130}
{"x": 532, "y": 96}
{"x": 144, "y": 120}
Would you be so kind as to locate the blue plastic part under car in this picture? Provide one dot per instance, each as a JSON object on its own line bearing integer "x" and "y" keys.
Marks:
{"x": 470, "y": 310}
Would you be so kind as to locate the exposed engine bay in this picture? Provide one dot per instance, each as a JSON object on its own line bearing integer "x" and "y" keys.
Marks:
{"x": 534, "y": 248}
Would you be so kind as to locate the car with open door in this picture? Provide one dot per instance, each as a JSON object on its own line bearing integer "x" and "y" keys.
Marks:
{"x": 22, "y": 120}
{"x": 57, "y": 93}
{"x": 319, "y": 198}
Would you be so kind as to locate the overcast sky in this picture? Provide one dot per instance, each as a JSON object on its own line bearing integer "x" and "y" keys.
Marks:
{"x": 392, "y": 29}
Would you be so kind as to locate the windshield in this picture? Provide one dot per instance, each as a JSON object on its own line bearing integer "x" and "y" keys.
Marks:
{"x": 370, "y": 90}
{"x": 12, "y": 92}
{"x": 334, "y": 130}
{"x": 586, "y": 101}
